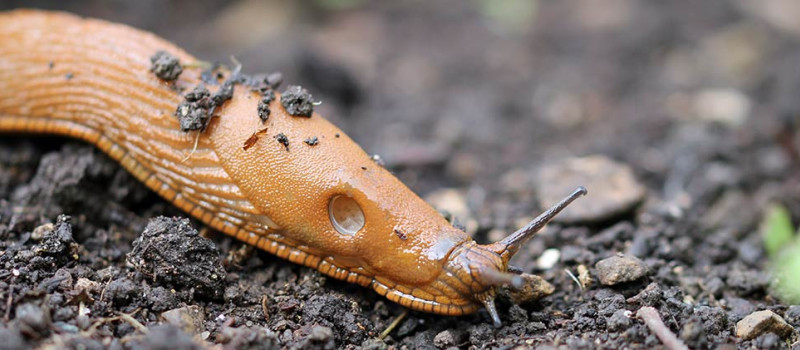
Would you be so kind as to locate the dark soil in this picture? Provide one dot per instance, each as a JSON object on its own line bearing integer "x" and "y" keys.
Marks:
{"x": 465, "y": 101}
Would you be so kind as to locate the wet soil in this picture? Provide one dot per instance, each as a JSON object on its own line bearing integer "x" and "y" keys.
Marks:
{"x": 466, "y": 102}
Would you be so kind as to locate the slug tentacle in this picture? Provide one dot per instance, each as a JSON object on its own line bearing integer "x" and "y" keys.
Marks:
{"x": 511, "y": 244}
{"x": 488, "y": 303}
{"x": 497, "y": 278}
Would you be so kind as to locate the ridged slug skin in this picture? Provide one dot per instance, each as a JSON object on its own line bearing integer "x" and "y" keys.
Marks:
{"x": 90, "y": 79}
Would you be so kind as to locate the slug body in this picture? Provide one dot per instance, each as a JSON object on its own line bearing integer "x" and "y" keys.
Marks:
{"x": 326, "y": 206}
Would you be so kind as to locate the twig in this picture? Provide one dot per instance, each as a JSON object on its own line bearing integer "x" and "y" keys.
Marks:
{"x": 93, "y": 328}
{"x": 133, "y": 322}
{"x": 7, "y": 316}
{"x": 196, "y": 140}
{"x": 122, "y": 316}
{"x": 653, "y": 321}
{"x": 393, "y": 325}
{"x": 264, "y": 308}
{"x": 103, "y": 292}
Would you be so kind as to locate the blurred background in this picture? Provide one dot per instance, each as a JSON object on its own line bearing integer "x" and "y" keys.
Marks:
{"x": 698, "y": 98}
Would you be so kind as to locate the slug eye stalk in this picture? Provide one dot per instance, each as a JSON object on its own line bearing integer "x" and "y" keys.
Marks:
{"x": 511, "y": 244}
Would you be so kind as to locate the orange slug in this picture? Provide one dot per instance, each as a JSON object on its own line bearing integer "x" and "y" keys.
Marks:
{"x": 247, "y": 172}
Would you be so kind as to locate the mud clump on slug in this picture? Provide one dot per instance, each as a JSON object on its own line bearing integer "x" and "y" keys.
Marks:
{"x": 165, "y": 66}
{"x": 193, "y": 112}
{"x": 263, "y": 105}
{"x": 298, "y": 101}
{"x": 224, "y": 93}
{"x": 198, "y": 106}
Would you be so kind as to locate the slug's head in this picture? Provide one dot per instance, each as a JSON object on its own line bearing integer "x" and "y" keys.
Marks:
{"x": 477, "y": 270}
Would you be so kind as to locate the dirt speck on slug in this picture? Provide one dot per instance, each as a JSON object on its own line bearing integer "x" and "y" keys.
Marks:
{"x": 283, "y": 139}
{"x": 193, "y": 113}
{"x": 297, "y": 101}
{"x": 165, "y": 66}
{"x": 263, "y": 105}
{"x": 199, "y": 105}
{"x": 312, "y": 141}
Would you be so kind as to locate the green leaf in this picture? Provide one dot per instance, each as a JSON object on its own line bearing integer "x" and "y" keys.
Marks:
{"x": 787, "y": 274}
{"x": 777, "y": 229}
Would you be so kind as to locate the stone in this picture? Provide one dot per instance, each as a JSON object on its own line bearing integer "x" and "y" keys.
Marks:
{"x": 533, "y": 288}
{"x": 190, "y": 319}
{"x": 620, "y": 269}
{"x": 761, "y": 322}
{"x": 613, "y": 189}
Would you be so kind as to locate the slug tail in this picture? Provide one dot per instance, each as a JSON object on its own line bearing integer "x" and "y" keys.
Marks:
{"x": 511, "y": 244}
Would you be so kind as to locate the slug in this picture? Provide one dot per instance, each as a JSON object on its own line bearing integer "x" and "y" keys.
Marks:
{"x": 296, "y": 187}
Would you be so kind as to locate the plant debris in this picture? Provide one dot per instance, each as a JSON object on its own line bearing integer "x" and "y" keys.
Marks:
{"x": 253, "y": 139}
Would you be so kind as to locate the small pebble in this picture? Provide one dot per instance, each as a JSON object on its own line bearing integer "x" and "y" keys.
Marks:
{"x": 246, "y": 338}
{"x": 613, "y": 190}
{"x": 533, "y": 288}
{"x": 729, "y": 107}
{"x": 190, "y": 318}
{"x": 444, "y": 339}
{"x": 39, "y": 232}
{"x": 761, "y": 322}
{"x": 548, "y": 259}
{"x": 620, "y": 269}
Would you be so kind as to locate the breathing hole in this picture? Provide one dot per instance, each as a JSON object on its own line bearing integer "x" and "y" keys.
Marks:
{"x": 346, "y": 215}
